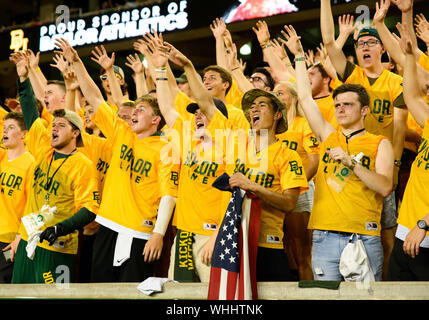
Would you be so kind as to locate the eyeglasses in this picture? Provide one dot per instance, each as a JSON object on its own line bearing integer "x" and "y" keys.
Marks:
{"x": 369, "y": 43}
{"x": 104, "y": 76}
{"x": 257, "y": 79}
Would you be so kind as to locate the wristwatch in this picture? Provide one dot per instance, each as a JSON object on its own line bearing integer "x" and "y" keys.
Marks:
{"x": 422, "y": 225}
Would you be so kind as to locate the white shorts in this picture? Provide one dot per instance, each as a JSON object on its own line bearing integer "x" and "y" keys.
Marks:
{"x": 305, "y": 200}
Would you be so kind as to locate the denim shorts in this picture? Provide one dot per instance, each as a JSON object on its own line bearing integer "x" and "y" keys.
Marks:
{"x": 327, "y": 249}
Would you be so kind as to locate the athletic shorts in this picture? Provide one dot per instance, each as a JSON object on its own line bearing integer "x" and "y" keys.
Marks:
{"x": 46, "y": 267}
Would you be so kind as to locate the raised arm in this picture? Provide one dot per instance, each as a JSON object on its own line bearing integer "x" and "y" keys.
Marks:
{"x": 100, "y": 56}
{"x": 346, "y": 28}
{"x": 26, "y": 95}
{"x": 137, "y": 66}
{"x": 280, "y": 69}
{"x": 327, "y": 28}
{"x": 201, "y": 95}
{"x": 412, "y": 95}
{"x": 218, "y": 28}
{"x": 159, "y": 58}
{"x": 89, "y": 88}
{"x": 320, "y": 127}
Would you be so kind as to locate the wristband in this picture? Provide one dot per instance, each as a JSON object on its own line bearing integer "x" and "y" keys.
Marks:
{"x": 235, "y": 68}
{"x": 163, "y": 79}
{"x": 299, "y": 59}
{"x": 161, "y": 70}
{"x": 37, "y": 70}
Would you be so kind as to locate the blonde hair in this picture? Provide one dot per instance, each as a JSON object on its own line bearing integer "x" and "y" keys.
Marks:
{"x": 295, "y": 105}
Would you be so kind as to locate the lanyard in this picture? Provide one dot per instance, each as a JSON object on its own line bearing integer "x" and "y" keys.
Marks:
{"x": 348, "y": 137}
{"x": 49, "y": 180}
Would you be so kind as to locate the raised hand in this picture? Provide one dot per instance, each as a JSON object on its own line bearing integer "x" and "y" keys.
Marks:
{"x": 346, "y": 24}
{"x": 218, "y": 27}
{"x": 70, "y": 79}
{"x": 141, "y": 46}
{"x": 381, "y": 9}
{"x": 101, "y": 57}
{"x": 309, "y": 58}
{"x": 262, "y": 32}
{"x": 135, "y": 63}
{"x": 67, "y": 51}
{"x": 33, "y": 60}
{"x": 405, "y": 39}
{"x": 20, "y": 60}
{"x": 293, "y": 41}
{"x": 177, "y": 57}
{"x": 60, "y": 63}
{"x": 422, "y": 27}
{"x": 160, "y": 51}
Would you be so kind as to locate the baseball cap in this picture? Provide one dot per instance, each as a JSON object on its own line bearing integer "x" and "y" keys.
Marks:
{"x": 368, "y": 31}
{"x": 183, "y": 78}
{"x": 12, "y": 104}
{"x": 192, "y": 107}
{"x": 116, "y": 69}
{"x": 252, "y": 94}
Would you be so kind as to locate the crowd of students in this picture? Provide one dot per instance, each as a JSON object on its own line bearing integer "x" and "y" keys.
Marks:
{"x": 119, "y": 190}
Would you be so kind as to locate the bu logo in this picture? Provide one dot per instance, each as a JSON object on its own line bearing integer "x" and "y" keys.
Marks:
{"x": 294, "y": 167}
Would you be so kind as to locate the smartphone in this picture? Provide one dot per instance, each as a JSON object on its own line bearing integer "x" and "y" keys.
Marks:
{"x": 7, "y": 255}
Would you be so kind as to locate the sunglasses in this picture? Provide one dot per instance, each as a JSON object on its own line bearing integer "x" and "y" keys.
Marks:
{"x": 104, "y": 76}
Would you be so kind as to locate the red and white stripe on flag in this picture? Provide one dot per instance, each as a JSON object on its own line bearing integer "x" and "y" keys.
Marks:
{"x": 227, "y": 283}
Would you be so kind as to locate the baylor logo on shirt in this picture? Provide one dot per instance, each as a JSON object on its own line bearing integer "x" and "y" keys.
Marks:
{"x": 45, "y": 183}
{"x": 138, "y": 166}
{"x": 203, "y": 169}
{"x": 381, "y": 109}
{"x": 262, "y": 178}
{"x": 11, "y": 181}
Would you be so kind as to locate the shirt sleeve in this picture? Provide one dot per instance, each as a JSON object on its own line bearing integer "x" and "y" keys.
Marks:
{"x": 292, "y": 173}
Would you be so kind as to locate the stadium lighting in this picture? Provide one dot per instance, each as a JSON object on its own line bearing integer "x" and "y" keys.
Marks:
{"x": 246, "y": 49}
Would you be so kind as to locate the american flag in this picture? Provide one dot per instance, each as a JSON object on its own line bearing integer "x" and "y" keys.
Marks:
{"x": 233, "y": 270}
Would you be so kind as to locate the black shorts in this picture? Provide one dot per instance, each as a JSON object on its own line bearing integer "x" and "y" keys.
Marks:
{"x": 272, "y": 265}
{"x": 135, "y": 269}
{"x": 404, "y": 268}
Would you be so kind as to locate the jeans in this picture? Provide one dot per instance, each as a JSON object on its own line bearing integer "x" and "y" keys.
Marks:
{"x": 327, "y": 249}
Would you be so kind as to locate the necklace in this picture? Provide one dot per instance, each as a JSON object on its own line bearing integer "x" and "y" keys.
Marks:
{"x": 348, "y": 137}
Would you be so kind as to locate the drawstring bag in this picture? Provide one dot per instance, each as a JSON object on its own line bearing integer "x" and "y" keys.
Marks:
{"x": 354, "y": 262}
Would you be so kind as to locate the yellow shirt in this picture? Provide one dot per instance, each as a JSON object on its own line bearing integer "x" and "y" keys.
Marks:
{"x": 139, "y": 175}
{"x": 73, "y": 186}
{"x": 234, "y": 95}
{"x": 15, "y": 176}
{"x": 327, "y": 109}
{"x": 283, "y": 171}
{"x": 200, "y": 207}
{"x": 300, "y": 138}
{"x": 415, "y": 203}
{"x": 356, "y": 208}
{"x": 99, "y": 151}
{"x": 424, "y": 61}
{"x": 385, "y": 93}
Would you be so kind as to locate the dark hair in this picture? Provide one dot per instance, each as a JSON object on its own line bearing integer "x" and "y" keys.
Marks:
{"x": 153, "y": 102}
{"x": 129, "y": 104}
{"x": 59, "y": 83}
{"x": 18, "y": 117}
{"x": 224, "y": 74}
{"x": 363, "y": 96}
{"x": 321, "y": 69}
{"x": 270, "y": 81}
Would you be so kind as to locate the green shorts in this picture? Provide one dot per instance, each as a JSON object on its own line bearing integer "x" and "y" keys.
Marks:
{"x": 46, "y": 267}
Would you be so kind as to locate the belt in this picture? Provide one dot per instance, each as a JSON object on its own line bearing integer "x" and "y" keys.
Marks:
{"x": 341, "y": 233}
